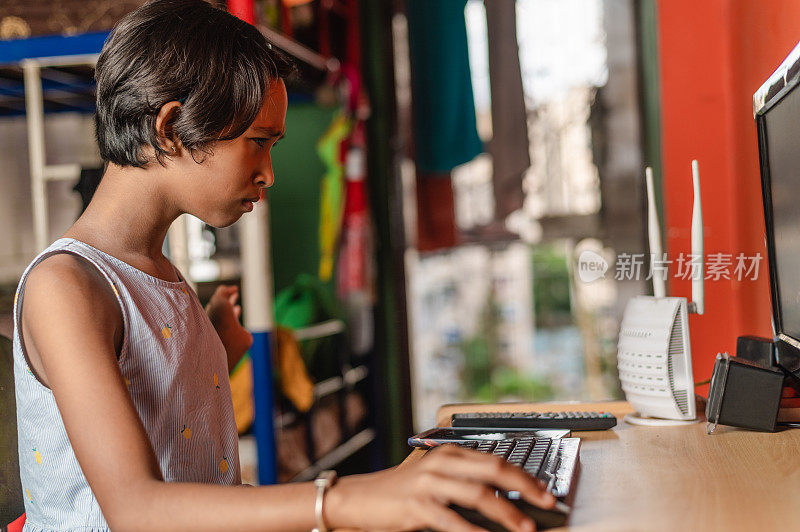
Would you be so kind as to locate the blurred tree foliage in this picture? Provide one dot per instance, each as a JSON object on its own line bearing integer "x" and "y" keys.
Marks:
{"x": 485, "y": 378}
{"x": 551, "y": 286}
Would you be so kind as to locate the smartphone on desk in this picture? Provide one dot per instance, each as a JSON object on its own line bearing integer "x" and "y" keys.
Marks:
{"x": 441, "y": 435}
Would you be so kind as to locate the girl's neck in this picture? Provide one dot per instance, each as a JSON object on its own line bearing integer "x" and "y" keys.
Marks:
{"x": 128, "y": 218}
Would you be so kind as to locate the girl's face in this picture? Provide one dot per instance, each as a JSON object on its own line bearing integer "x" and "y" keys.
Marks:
{"x": 229, "y": 180}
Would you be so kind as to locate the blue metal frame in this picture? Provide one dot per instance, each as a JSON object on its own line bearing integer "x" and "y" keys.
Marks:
{"x": 12, "y": 89}
{"x": 15, "y": 50}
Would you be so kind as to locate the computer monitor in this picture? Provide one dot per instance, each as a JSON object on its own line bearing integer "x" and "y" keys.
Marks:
{"x": 776, "y": 106}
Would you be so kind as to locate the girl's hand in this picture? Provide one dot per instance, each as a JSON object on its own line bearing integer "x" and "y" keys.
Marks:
{"x": 418, "y": 496}
{"x": 224, "y": 314}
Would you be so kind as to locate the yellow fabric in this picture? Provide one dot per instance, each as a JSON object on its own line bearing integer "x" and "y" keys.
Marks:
{"x": 331, "y": 193}
{"x": 242, "y": 392}
{"x": 296, "y": 385}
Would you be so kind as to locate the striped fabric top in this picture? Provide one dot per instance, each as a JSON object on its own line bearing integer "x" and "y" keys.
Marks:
{"x": 175, "y": 367}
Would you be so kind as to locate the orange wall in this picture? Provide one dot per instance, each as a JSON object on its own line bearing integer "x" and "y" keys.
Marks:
{"x": 713, "y": 56}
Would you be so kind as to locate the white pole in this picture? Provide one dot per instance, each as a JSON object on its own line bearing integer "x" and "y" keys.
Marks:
{"x": 258, "y": 319}
{"x": 34, "y": 108}
{"x": 256, "y": 268}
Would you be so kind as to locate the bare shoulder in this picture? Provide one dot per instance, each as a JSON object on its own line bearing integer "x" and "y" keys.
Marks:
{"x": 68, "y": 282}
{"x": 67, "y": 298}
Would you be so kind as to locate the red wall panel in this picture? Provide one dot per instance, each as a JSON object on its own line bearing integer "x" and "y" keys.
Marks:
{"x": 713, "y": 56}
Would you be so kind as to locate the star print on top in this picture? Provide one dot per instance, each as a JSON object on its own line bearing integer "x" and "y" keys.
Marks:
{"x": 169, "y": 353}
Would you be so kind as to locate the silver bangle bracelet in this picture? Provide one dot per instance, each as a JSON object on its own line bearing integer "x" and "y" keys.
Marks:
{"x": 324, "y": 480}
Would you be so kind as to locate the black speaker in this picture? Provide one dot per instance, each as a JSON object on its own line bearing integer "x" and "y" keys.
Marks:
{"x": 756, "y": 349}
{"x": 743, "y": 394}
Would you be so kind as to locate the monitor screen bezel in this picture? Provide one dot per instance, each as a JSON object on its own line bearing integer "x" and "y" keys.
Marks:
{"x": 780, "y": 84}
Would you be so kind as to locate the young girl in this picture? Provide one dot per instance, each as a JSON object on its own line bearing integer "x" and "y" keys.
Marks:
{"x": 124, "y": 408}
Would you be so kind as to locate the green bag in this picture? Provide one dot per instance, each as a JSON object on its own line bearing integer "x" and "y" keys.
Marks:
{"x": 306, "y": 302}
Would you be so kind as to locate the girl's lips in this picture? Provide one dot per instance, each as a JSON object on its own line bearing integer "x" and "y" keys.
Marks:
{"x": 248, "y": 203}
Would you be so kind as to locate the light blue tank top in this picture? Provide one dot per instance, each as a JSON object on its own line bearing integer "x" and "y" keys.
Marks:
{"x": 176, "y": 370}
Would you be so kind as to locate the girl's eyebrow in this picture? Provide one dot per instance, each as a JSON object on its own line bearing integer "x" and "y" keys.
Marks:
{"x": 270, "y": 132}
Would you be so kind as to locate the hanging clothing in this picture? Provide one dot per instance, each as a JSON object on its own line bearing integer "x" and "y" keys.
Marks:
{"x": 295, "y": 382}
{"x": 355, "y": 276}
{"x": 329, "y": 148}
{"x": 436, "y": 213}
{"x": 445, "y": 133}
{"x": 509, "y": 146}
{"x": 176, "y": 370}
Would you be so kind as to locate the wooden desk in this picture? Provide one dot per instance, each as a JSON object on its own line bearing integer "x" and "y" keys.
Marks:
{"x": 675, "y": 478}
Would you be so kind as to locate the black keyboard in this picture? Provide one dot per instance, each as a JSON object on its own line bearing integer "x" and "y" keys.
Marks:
{"x": 553, "y": 461}
{"x": 536, "y": 420}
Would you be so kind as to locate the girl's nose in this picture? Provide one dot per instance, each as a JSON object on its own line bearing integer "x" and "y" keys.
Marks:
{"x": 265, "y": 177}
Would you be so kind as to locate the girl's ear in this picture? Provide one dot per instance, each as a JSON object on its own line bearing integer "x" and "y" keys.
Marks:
{"x": 164, "y": 131}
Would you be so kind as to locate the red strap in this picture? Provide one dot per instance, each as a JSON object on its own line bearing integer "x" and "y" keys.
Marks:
{"x": 17, "y": 524}
{"x": 244, "y": 9}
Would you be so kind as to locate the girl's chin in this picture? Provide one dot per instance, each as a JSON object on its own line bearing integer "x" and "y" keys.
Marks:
{"x": 220, "y": 219}
{"x": 230, "y": 221}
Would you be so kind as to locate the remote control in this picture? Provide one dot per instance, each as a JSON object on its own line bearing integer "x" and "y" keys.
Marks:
{"x": 539, "y": 420}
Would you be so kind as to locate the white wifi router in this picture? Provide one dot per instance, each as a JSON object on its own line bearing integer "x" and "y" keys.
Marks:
{"x": 654, "y": 355}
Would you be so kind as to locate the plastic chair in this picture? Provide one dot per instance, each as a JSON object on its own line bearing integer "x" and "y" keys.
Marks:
{"x": 12, "y": 506}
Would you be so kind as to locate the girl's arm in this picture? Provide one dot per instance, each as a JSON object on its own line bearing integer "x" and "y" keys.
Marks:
{"x": 72, "y": 323}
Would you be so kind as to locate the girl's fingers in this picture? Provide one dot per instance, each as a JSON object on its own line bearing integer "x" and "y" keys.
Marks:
{"x": 237, "y": 311}
{"x": 226, "y": 290}
{"x": 483, "y": 499}
{"x": 444, "y": 519}
{"x": 233, "y": 296}
{"x": 453, "y": 461}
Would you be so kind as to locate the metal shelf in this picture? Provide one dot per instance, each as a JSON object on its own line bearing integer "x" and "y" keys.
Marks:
{"x": 66, "y": 67}
{"x": 319, "y": 330}
{"x": 336, "y": 456}
{"x": 327, "y": 387}
{"x": 335, "y": 384}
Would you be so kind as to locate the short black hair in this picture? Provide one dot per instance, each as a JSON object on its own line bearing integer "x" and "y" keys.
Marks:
{"x": 218, "y": 66}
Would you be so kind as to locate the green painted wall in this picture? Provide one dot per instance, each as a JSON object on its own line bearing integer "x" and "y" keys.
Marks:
{"x": 294, "y": 198}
